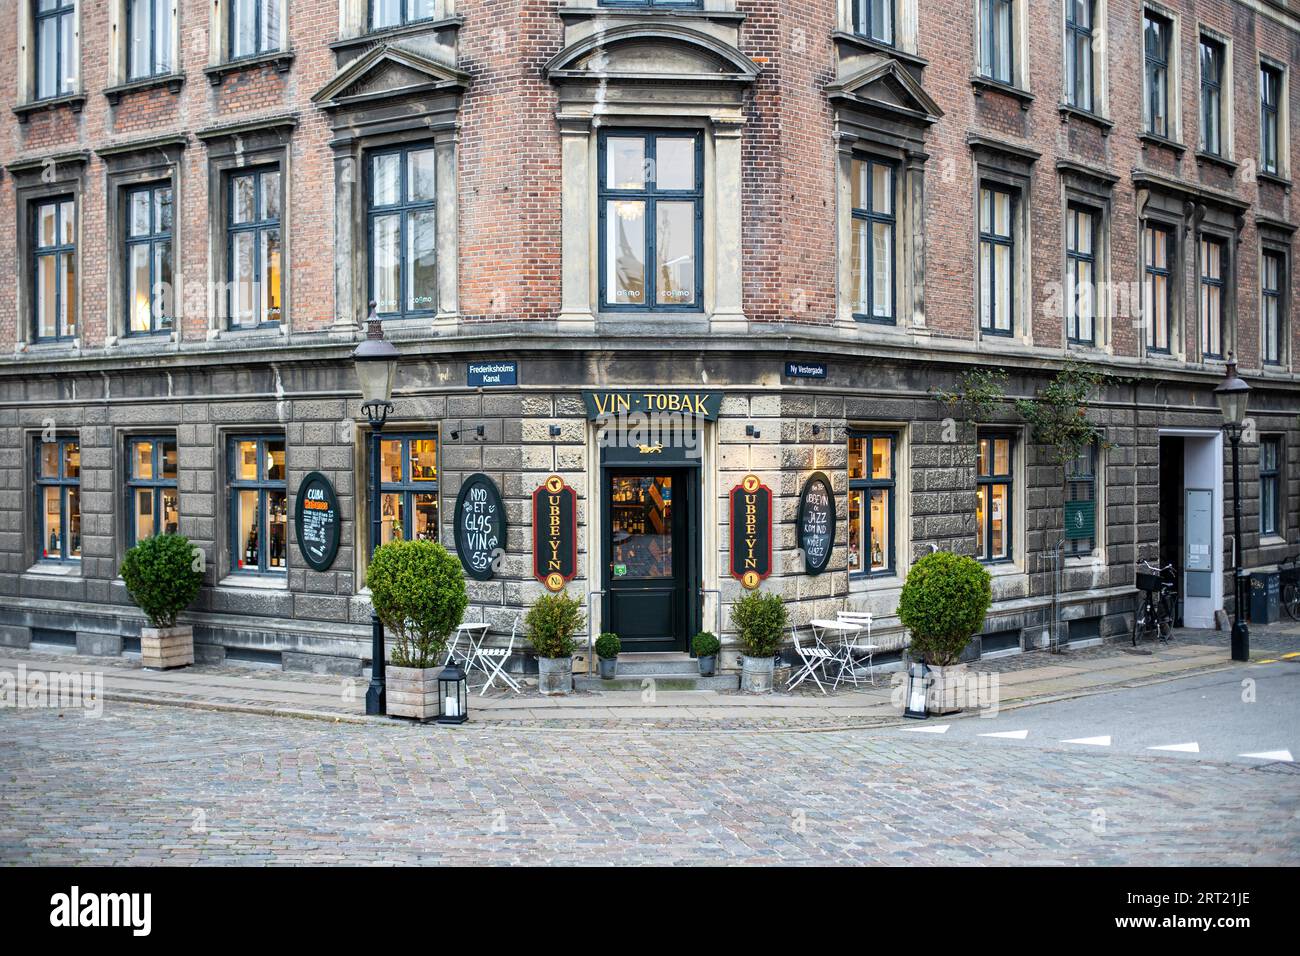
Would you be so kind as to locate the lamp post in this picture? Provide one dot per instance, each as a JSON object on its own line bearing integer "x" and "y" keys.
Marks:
{"x": 376, "y": 364}
{"x": 1233, "y": 394}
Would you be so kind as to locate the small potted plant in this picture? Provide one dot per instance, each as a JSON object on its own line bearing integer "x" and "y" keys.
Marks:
{"x": 607, "y": 648}
{"x": 759, "y": 620}
{"x": 552, "y": 622}
{"x": 706, "y": 647}
{"x": 162, "y": 576}
{"x": 418, "y": 590}
{"x": 943, "y": 604}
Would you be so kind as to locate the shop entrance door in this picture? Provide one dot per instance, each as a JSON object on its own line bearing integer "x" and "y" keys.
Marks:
{"x": 649, "y": 566}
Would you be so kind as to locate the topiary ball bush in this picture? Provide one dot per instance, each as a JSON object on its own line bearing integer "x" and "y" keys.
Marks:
{"x": 162, "y": 576}
{"x": 760, "y": 620}
{"x": 418, "y": 590}
{"x": 943, "y": 604}
{"x": 706, "y": 644}
{"x": 552, "y": 622}
{"x": 608, "y": 645}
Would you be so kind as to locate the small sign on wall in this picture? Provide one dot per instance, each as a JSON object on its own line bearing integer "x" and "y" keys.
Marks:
{"x": 479, "y": 526}
{"x": 317, "y": 521}
{"x": 795, "y": 369}
{"x": 816, "y": 523}
{"x": 491, "y": 374}
{"x": 555, "y": 533}
{"x": 751, "y": 531}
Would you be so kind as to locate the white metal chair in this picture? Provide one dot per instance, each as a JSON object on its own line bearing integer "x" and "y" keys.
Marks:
{"x": 813, "y": 656}
{"x": 492, "y": 661}
{"x": 849, "y": 650}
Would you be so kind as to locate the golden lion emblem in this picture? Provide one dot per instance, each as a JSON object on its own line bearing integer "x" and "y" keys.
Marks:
{"x": 654, "y": 449}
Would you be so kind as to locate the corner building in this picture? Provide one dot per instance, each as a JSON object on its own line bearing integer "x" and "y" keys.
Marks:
{"x": 801, "y": 218}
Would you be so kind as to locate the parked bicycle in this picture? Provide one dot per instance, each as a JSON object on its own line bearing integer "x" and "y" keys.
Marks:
{"x": 1288, "y": 570}
{"x": 1155, "y": 613}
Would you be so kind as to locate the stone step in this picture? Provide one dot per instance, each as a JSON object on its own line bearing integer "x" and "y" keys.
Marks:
{"x": 651, "y": 664}
{"x": 677, "y": 681}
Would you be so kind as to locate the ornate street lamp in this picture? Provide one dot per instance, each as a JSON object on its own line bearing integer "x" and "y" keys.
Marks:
{"x": 1233, "y": 394}
{"x": 376, "y": 363}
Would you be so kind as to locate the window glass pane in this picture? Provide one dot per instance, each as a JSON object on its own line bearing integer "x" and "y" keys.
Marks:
{"x": 270, "y": 241}
{"x": 981, "y": 497}
{"x": 270, "y": 183}
{"x": 243, "y": 27}
{"x": 270, "y": 25}
{"x": 52, "y": 523}
{"x": 47, "y": 215}
{"x": 277, "y": 524}
{"x": 882, "y": 458}
{"x": 882, "y": 252}
{"x": 143, "y": 513}
{"x": 47, "y": 57}
{"x": 857, "y": 461}
{"x": 390, "y": 462}
{"x": 247, "y": 538}
{"x": 171, "y": 514}
{"x": 142, "y": 459}
{"x": 421, "y": 9}
{"x": 674, "y": 162}
{"x": 68, "y": 293}
{"x": 1001, "y": 456}
{"x": 246, "y": 460}
{"x": 385, "y": 13}
{"x": 386, "y": 259}
{"x": 1002, "y": 267}
{"x": 882, "y": 189}
{"x": 74, "y": 522}
{"x": 882, "y": 20}
{"x": 1001, "y": 214}
{"x": 162, "y": 36}
{"x": 857, "y": 184}
{"x": 421, "y": 260}
{"x": 169, "y": 460}
{"x": 138, "y": 43}
{"x": 47, "y": 296}
{"x": 998, "y": 521}
{"x": 425, "y": 518}
{"x": 424, "y": 459}
{"x": 138, "y": 291}
{"x": 67, "y": 222}
{"x": 420, "y": 175}
{"x": 880, "y": 543}
{"x": 855, "y": 530}
{"x": 386, "y": 179}
{"x": 641, "y": 525}
{"x": 393, "y": 514}
{"x": 861, "y": 264}
{"x": 241, "y": 200}
{"x": 625, "y": 252}
{"x": 274, "y": 460}
{"x": 675, "y": 253}
{"x": 163, "y": 209}
{"x": 243, "y": 272}
{"x": 162, "y": 288}
{"x": 49, "y": 459}
{"x": 625, "y": 162}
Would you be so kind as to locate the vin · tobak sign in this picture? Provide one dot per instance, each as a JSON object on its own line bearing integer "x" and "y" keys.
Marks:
{"x": 751, "y": 531}
{"x": 555, "y": 533}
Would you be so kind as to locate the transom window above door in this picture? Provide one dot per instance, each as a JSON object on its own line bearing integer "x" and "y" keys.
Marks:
{"x": 651, "y": 217}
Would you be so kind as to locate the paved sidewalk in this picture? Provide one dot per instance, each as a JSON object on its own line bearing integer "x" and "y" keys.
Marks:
{"x": 1011, "y": 681}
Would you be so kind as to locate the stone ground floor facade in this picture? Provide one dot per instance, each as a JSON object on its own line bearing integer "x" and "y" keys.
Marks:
{"x": 216, "y": 445}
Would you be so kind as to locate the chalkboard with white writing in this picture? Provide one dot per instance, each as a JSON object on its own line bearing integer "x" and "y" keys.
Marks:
{"x": 479, "y": 526}
{"x": 816, "y": 522}
{"x": 317, "y": 521}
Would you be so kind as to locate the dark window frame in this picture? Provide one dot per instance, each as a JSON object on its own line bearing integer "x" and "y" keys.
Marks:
{"x": 152, "y": 70}
{"x": 403, "y": 209}
{"x": 65, "y": 485}
{"x": 407, "y": 487}
{"x": 867, "y": 484}
{"x": 263, "y": 486}
{"x": 865, "y": 25}
{"x": 255, "y": 226}
{"x": 1150, "y": 269}
{"x": 1155, "y": 61}
{"x": 992, "y": 479}
{"x": 1080, "y": 95}
{"x": 870, "y": 216}
{"x": 1273, "y": 299}
{"x": 1221, "y": 282}
{"x": 1212, "y": 92}
{"x": 158, "y": 325}
{"x": 1270, "y": 521}
{"x": 157, "y": 483}
{"x": 64, "y": 12}
{"x": 650, "y": 197}
{"x": 1075, "y": 481}
{"x": 1270, "y": 119}
{"x": 990, "y": 41}
{"x": 1074, "y": 257}
{"x": 993, "y": 238}
{"x": 56, "y": 250}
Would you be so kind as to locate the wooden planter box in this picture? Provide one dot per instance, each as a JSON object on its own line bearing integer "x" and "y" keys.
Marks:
{"x": 947, "y": 689}
{"x": 162, "y": 648}
{"x": 412, "y": 692}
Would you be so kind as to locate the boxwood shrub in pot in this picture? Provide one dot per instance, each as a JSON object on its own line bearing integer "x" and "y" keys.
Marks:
{"x": 162, "y": 574}
{"x": 759, "y": 620}
{"x": 552, "y": 623}
{"x": 418, "y": 590}
{"x": 943, "y": 604}
{"x": 607, "y": 648}
{"x": 706, "y": 646}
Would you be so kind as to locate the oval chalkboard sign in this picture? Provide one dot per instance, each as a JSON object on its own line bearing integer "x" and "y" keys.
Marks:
{"x": 317, "y": 521}
{"x": 480, "y": 526}
{"x": 816, "y": 522}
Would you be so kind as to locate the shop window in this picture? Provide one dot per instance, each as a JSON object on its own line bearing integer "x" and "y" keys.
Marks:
{"x": 58, "y": 500}
{"x": 997, "y": 39}
{"x": 258, "y": 504}
{"x": 994, "y": 487}
{"x": 254, "y": 27}
{"x": 1081, "y": 486}
{"x": 874, "y": 19}
{"x": 1080, "y": 69}
{"x": 153, "y": 502}
{"x": 997, "y": 260}
{"x": 651, "y": 221}
{"x": 403, "y": 231}
{"x": 1270, "y": 125}
{"x": 1212, "y": 292}
{"x": 408, "y": 487}
{"x": 149, "y": 38}
{"x": 54, "y": 265}
{"x": 1081, "y": 263}
{"x": 874, "y": 227}
{"x": 149, "y": 280}
{"x": 1273, "y": 306}
{"x": 1157, "y": 295}
{"x": 872, "y": 502}
{"x": 56, "y": 47}
{"x": 1212, "y": 59}
{"x": 253, "y": 234}
{"x": 1157, "y": 31}
{"x": 1270, "y": 485}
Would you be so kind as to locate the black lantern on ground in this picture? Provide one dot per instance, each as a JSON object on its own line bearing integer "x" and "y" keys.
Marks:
{"x": 915, "y": 705}
{"x": 453, "y": 695}
{"x": 1232, "y": 394}
{"x": 376, "y": 364}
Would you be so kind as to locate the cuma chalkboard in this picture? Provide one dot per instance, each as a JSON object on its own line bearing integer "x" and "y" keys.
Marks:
{"x": 317, "y": 521}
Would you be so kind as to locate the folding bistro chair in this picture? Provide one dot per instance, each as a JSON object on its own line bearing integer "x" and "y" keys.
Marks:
{"x": 855, "y": 622}
{"x": 492, "y": 661}
{"x": 813, "y": 656}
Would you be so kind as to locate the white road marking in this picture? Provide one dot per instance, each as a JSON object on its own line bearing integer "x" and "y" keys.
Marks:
{"x": 1009, "y": 734}
{"x": 1192, "y": 748}
{"x": 1090, "y": 741}
{"x": 929, "y": 729}
{"x": 1271, "y": 755}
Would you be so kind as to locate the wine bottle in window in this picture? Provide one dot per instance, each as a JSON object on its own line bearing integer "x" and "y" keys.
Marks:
{"x": 250, "y": 549}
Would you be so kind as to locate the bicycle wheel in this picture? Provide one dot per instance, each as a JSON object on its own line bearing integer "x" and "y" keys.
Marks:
{"x": 1143, "y": 623}
{"x": 1291, "y": 601}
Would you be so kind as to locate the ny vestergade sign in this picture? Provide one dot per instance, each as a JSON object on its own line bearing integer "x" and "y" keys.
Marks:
{"x": 751, "y": 531}
{"x": 555, "y": 533}
{"x": 816, "y": 522}
{"x": 317, "y": 521}
{"x": 480, "y": 526}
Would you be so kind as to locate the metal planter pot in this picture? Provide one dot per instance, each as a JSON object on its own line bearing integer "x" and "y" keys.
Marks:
{"x": 608, "y": 668}
{"x": 756, "y": 675}
{"x": 554, "y": 675}
{"x": 707, "y": 664}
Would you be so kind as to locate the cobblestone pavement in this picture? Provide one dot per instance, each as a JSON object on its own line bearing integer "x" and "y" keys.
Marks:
{"x": 145, "y": 784}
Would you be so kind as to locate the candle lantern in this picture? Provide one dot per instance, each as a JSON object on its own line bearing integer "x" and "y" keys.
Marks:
{"x": 916, "y": 691}
{"x": 453, "y": 695}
